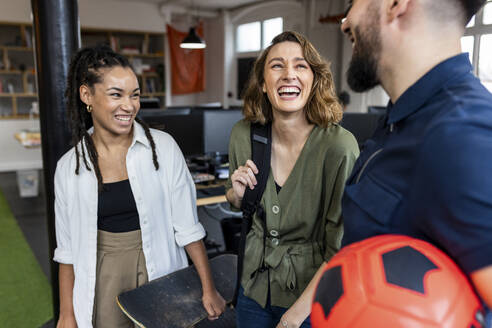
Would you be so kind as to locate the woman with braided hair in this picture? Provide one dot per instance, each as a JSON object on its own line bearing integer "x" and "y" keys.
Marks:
{"x": 124, "y": 199}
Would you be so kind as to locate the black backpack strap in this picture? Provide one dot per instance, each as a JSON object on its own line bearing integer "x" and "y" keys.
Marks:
{"x": 261, "y": 150}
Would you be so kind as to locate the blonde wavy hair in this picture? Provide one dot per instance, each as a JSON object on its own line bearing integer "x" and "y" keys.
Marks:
{"x": 322, "y": 107}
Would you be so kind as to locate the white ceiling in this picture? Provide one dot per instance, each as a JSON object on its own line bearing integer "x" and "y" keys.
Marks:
{"x": 201, "y": 4}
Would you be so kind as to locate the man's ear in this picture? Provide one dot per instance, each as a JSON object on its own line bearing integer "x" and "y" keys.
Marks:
{"x": 85, "y": 94}
{"x": 396, "y": 8}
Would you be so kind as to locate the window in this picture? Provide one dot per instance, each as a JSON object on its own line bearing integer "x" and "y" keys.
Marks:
{"x": 485, "y": 61}
{"x": 477, "y": 41}
{"x": 271, "y": 28}
{"x": 255, "y": 36}
{"x": 487, "y": 14}
{"x": 248, "y": 37}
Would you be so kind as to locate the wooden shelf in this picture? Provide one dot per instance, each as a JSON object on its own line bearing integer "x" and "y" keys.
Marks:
{"x": 96, "y": 30}
{"x": 15, "y": 71}
{"x": 143, "y": 55}
{"x": 14, "y": 48}
{"x": 149, "y": 74}
{"x": 18, "y": 116}
{"x": 18, "y": 95}
{"x": 153, "y": 94}
{"x": 17, "y": 51}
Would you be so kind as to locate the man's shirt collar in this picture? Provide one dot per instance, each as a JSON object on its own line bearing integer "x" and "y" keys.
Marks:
{"x": 428, "y": 85}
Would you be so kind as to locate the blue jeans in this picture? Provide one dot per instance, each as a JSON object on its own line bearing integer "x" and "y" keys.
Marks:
{"x": 488, "y": 318}
{"x": 250, "y": 314}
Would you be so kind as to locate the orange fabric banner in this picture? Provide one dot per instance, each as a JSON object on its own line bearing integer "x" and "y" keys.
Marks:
{"x": 187, "y": 65}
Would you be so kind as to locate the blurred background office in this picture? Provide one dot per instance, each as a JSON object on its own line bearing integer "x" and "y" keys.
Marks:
{"x": 195, "y": 95}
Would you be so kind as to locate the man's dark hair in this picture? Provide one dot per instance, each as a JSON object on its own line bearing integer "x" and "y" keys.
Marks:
{"x": 471, "y": 7}
{"x": 344, "y": 98}
{"x": 86, "y": 69}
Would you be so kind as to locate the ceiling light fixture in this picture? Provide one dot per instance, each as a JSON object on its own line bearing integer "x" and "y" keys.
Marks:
{"x": 192, "y": 41}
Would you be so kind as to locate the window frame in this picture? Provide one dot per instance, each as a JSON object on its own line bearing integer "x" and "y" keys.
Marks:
{"x": 261, "y": 21}
{"x": 477, "y": 30}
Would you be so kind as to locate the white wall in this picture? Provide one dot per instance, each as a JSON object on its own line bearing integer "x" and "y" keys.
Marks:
{"x": 13, "y": 155}
{"x": 121, "y": 15}
{"x": 17, "y": 11}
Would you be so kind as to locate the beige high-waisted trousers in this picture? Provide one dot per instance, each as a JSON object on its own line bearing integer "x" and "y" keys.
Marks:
{"x": 120, "y": 267}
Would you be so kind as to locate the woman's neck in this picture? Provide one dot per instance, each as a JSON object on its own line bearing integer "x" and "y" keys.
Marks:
{"x": 108, "y": 142}
{"x": 291, "y": 130}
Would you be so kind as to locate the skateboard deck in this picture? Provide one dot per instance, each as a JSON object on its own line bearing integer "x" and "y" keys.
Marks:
{"x": 175, "y": 300}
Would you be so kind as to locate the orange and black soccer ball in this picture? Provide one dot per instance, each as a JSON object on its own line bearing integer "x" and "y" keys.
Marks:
{"x": 394, "y": 281}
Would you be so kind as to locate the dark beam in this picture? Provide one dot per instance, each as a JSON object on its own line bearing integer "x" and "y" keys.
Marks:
{"x": 56, "y": 38}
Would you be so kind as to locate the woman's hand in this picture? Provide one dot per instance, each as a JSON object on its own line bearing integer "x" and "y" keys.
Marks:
{"x": 242, "y": 177}
{"x": 214, "y": 304}
{"x": 289, "y": 321}
{"x": 66, "y": 321}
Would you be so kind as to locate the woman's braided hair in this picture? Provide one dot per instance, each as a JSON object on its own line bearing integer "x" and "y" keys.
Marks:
{"x": 85, "y": 69}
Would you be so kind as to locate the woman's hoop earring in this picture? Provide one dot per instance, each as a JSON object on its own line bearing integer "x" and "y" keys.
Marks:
{"x": 89, "y": 108}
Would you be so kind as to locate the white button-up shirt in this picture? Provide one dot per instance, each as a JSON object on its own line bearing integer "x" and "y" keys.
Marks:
{"x": 166, "y": 204}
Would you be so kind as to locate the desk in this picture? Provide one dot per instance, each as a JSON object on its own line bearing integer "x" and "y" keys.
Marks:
{"x": 29, "y": 139}
{"x": 15, "y": 156}
{"x": 214, "y": 198}
{"x": 211, "y": 200}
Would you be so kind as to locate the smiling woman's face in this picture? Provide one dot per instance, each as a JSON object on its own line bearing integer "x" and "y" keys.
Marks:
{"x": 288, "y": 77}
{"x": 115, "y": 101}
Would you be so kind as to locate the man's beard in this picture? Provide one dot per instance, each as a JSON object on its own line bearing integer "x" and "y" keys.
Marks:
{"x": 362, "y": 74}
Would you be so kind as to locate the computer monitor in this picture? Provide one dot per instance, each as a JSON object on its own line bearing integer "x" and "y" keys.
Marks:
{"x": 217, "y": 126}
{"x": 362, "y": 125}
{"x": 150, "y": 103}
{"x": 184, "y": 125}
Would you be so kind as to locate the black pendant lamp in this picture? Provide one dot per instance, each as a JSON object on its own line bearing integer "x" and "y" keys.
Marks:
{"x": 192, "y": 41}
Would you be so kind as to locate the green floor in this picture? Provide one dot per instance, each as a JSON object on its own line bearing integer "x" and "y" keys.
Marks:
{"x": 25, "y": 293}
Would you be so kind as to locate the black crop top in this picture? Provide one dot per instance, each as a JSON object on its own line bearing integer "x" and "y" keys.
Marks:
{"x": 278, "y": 187}
{"x": 116, "y": 208}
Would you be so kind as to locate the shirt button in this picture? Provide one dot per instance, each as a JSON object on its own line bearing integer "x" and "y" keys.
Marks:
{"x": 275, "y": 241}
{"x": 152, "y": 270}
{"x": 275, "y": 209}
{"x": 274, "y": 233}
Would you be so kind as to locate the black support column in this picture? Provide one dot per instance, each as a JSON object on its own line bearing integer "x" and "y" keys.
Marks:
{"x": 57, "y": 37}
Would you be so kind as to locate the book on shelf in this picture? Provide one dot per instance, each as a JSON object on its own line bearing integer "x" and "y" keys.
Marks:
{"x": 130, "y": 50}
{"x": 27, "y": 38}
{"x": 145, "y": 46}
{"x": 6, "y": 61}
{"x": 150, "y": 85}
{"x": 114, "y": 43}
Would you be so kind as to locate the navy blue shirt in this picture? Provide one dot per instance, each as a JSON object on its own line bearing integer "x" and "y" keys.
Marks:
{"x": 427, "y": 172}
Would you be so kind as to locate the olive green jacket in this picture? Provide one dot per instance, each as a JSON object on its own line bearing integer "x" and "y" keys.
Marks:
{"x": 304, "y": 225}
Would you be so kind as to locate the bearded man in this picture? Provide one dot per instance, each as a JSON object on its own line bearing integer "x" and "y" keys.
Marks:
{"x": 427, "y": 172}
